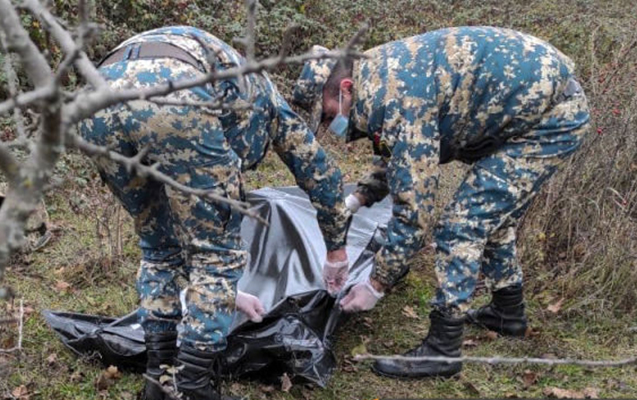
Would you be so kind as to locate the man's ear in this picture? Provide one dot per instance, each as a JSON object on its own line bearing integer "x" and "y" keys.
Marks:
{"x": 347, "y": 85}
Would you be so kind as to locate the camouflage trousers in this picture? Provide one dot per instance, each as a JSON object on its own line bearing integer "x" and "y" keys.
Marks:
{"x": 181, "y": 235}
{"x": 477, "y": 231}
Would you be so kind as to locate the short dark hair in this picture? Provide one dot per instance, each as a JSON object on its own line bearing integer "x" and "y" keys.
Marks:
{"x": 342, "y": 70}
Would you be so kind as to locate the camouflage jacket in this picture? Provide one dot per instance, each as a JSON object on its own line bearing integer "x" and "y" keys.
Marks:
{"x": 451, "y": 94}
{"x": 250, "y": 132}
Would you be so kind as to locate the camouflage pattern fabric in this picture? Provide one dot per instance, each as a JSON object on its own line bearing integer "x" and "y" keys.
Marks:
{"x": 183, "y": 235}
{"x": 501, "y": 100}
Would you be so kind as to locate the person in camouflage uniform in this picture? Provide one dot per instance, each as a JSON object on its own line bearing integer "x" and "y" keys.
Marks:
{"x": 203, "y": 148}
{"x": 505, "y": 102}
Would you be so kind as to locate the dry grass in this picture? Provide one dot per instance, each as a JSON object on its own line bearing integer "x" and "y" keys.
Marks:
{"x": 586, "y": 222}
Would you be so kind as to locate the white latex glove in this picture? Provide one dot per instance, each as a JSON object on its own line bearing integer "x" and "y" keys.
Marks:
{"x": 361, "y": 297}
{"x": 335, "y": 275}
{"x": 250, "y": 305}
{"x": 352, "y": 203}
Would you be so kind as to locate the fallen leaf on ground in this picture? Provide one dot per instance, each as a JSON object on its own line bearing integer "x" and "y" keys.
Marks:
{"x": 555, "y": 307}
{"x": 21, "y": 393}
{"x": 112, "y": 372}
{"x": 107, "y": 378}
{"x": 562, "y": 393}
{"x": 28, "y": 310}
{"x": 471, "y": 388}
{"x": 591, "y": 393}
{"x": 410, "y": 313}
{"x": 286, "y": 383}
{"x": 360, "y": 349}
{"x": 62, "y": 287}
{"x": 76, "y": 376}
{"x": 491, "y": 335}
{"x": 530, "y": 332}
{"x": 126, "y": 396}
{"x": 52, "y": 359}
{"x": 469, "y": 343}
{"x": 529, "y": 378}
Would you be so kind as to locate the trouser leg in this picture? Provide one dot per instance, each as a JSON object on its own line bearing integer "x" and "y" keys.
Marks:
{"x": 493, "y": 196}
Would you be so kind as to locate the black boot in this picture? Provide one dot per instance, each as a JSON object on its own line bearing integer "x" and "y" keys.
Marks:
{"x": 504, "y": 315}
{"x": 161, "y": 349}
{"x": 444, "y": 339}
{"x": 197, "y": 374}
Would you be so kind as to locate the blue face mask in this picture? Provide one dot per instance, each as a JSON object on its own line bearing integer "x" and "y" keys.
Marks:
{"x": 340, "y": 122}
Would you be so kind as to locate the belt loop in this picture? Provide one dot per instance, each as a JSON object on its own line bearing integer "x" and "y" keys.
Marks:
{"x": 127, "y": 52}
{"x": 133, "y": 54}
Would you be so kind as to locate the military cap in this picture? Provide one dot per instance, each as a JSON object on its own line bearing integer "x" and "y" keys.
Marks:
{"x": 308, "y": 90}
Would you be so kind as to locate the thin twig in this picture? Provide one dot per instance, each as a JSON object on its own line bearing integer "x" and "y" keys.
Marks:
{"x": 68, "y": 45}
{"x": 135, "y": 164}
{"x": 504, "y": 360}
{"x": 87, "y": 104}
{"x": 12, "y": 83}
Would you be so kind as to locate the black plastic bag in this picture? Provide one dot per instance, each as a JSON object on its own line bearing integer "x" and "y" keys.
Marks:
{"x": 286, "y": 257}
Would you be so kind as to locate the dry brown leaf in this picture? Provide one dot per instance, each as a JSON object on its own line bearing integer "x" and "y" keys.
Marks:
{"x": 52, "y": 359}
{"x": 126, "y": 396}
{"x": 21, "y": 393}
{"x": 388, "y": 343}
{"x": 7, "y": 342}
{"x": 591, "y": 393}
{"x": 491, "y": 335}
{"x": 102, "y": 382}
{"x": 475, "y": 392}
{"x": 28, "y": 310}
{"x": 107, "y": 378}
{"x": 529, "y": 378}
{"x": 410, "y": 313}
{"x": 112, "y": 372}
{"x": 286, "y": 383}
{"x": 530, "y": 332}
{"x": 62, "y": 287}
{"x": 76, "y": 376}
{"x": 562, "y": 393}
{"x": 469, "y": 343}
{"x": 555, "y": 307}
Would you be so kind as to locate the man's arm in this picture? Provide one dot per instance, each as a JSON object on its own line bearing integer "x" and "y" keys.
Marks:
{"x": 315, "y": 172}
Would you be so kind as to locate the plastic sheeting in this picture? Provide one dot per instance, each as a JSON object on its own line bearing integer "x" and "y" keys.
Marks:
{"x": 286, "y": 257}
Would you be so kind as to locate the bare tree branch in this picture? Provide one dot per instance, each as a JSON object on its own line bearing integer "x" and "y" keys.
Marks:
{"x": 135, "y": 164}
{"x": 64, "y": 38}
{"x": 89, "y": 103}
{"x": 24, "y": 100}
{"x": 505, "y": 360}
{"x": 35, "y": 65}
{"x": 12, "y": 83}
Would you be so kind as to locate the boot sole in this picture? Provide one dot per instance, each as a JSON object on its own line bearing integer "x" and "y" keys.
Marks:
{"x": 414, "y": 377}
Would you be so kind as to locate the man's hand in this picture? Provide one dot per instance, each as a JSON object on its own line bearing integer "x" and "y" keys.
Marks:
{"x": 335, "y": 271}
{"x": 362, "y": 297}
{"x": 250, "y": 305}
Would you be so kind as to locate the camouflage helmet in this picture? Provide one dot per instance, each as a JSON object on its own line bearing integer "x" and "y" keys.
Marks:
{"x": 308, "y": 90}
